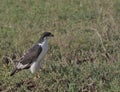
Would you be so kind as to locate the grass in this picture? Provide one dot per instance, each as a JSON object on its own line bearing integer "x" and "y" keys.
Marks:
{"x": 83, "y": 56}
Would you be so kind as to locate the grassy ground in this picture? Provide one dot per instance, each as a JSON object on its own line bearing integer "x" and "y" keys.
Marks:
{"x": 84, "y": 55}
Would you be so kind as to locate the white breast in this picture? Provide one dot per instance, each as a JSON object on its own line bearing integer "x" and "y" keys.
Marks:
{"x": 36, "y": 65}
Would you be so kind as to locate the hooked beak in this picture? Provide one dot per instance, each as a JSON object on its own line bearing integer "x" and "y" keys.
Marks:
{"x": 52, "y": 35}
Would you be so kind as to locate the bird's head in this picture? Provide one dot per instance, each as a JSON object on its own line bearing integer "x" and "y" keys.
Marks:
{"x": 46, "y": 35}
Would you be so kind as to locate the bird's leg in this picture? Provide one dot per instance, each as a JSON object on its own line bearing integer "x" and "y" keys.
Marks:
{"x": 37, "y": 76}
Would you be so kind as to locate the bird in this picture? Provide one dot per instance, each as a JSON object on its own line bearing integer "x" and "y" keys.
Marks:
{"x": 34, "y": 56}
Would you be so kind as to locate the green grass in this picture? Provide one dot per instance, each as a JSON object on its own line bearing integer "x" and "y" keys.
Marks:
{"x": 84, "y": 55}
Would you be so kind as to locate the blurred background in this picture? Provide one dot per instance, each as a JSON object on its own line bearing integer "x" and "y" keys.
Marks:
{"x": 84, "y": 55}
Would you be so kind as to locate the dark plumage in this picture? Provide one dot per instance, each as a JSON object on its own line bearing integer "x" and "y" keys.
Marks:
{"x": 34, "y": 55}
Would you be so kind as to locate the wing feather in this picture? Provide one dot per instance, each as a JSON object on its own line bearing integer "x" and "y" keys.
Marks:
{"x": 31, "y": 55}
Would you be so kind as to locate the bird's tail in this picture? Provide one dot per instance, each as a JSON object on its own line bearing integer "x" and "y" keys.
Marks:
{"x": 13, "y": 72}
